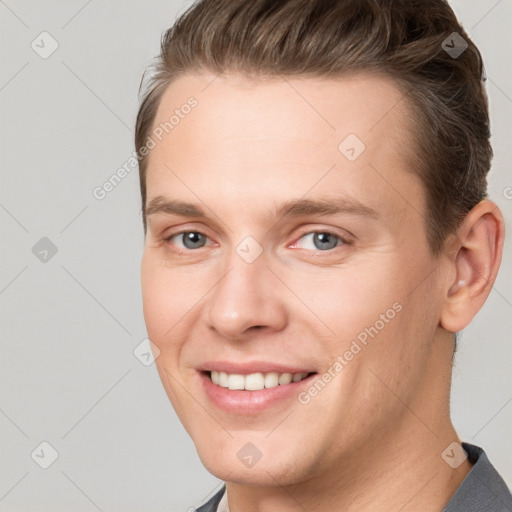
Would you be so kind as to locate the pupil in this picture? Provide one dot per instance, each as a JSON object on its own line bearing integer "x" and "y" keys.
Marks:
{"x": 193, "y": 240}
{"x": 323, "y": 240}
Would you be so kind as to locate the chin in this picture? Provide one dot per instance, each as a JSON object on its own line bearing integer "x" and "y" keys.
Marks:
{"x": 262, "y": 475}
{"x": 234, "y": 464}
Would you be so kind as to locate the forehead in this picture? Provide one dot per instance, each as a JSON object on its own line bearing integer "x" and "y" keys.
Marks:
{"x": 283, "y": 134}
{"x": 313, "y": 108}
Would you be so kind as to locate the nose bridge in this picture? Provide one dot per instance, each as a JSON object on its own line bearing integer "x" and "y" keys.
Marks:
{"x": 245, "y": 297}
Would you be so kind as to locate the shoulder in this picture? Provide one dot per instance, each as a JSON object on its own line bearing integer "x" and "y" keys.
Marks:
{"x": 483, "y": 489}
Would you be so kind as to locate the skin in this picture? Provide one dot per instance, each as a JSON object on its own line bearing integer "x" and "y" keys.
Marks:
{"x": 372, "y": 439}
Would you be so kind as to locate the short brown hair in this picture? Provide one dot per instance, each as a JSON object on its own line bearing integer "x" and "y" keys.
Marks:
{"x": 407, "y": 40}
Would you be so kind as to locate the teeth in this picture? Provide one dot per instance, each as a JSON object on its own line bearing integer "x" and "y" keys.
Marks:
{"x": 223, "y": 379}
{"x": 236, "y": 381}
{"x": 298, "y": 376}
{"x": 285, "y": 378}
{"x": 254, "y": 381}
{"x": 271, "y": 380}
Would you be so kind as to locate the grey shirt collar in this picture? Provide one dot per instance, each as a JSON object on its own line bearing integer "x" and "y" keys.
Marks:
{"x": 483, "y": 489}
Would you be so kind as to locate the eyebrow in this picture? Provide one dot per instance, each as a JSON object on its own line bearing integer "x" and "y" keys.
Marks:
{"x": 295, "y": 208}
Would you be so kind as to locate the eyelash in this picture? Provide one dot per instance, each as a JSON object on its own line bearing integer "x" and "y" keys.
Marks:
{"x": 344, "y": 241}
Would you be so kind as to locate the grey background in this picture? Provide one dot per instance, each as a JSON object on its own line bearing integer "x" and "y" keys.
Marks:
{"x": 70, "y": 324}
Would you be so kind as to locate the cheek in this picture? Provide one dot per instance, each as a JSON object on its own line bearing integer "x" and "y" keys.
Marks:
{"x": 164, "y": 317}
{"x": 351, "y": 302}
{"x": 162, "y": 302}
{"x": 375, "y": 321}
{"x": 396, "y": 358}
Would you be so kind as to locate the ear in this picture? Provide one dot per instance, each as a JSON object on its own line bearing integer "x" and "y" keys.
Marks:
{"x": 476, "y": 250}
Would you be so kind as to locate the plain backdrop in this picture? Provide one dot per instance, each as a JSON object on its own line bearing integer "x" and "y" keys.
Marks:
{"x": 70, "y": 284}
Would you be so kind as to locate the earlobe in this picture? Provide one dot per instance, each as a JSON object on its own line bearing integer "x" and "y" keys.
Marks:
{"x": 480, "y": 245}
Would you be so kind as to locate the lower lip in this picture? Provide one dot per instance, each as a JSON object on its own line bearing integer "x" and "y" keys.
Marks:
{"x": 247, "y": 402}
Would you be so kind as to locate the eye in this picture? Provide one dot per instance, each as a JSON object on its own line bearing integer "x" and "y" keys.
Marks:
{"x": 314, "y": 241}
{"x": 187, "y": 240}
{"x": 320, "y": 240}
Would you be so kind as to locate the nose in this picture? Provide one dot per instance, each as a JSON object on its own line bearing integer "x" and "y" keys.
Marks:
{"x": 247, "y": 298}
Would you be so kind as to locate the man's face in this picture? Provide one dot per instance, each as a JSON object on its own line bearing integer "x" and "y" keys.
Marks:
{"x": 248, "y": 290}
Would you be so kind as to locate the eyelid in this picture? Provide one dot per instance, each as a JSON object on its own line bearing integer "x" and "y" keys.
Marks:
{"x": 168, "y": 233}
{"x": 333, "y": 232}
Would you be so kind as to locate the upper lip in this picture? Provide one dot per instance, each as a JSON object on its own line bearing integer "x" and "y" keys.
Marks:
{"x": 251, "y": 367}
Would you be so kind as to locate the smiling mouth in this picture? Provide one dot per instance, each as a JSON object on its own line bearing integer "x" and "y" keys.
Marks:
{"x": 255, "y": 381}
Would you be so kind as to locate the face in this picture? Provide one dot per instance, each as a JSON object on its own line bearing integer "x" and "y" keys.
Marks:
{"x": 286, "y": 242}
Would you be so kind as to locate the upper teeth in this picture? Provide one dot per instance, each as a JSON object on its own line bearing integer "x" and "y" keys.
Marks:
{"x": 254, "y": 381}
